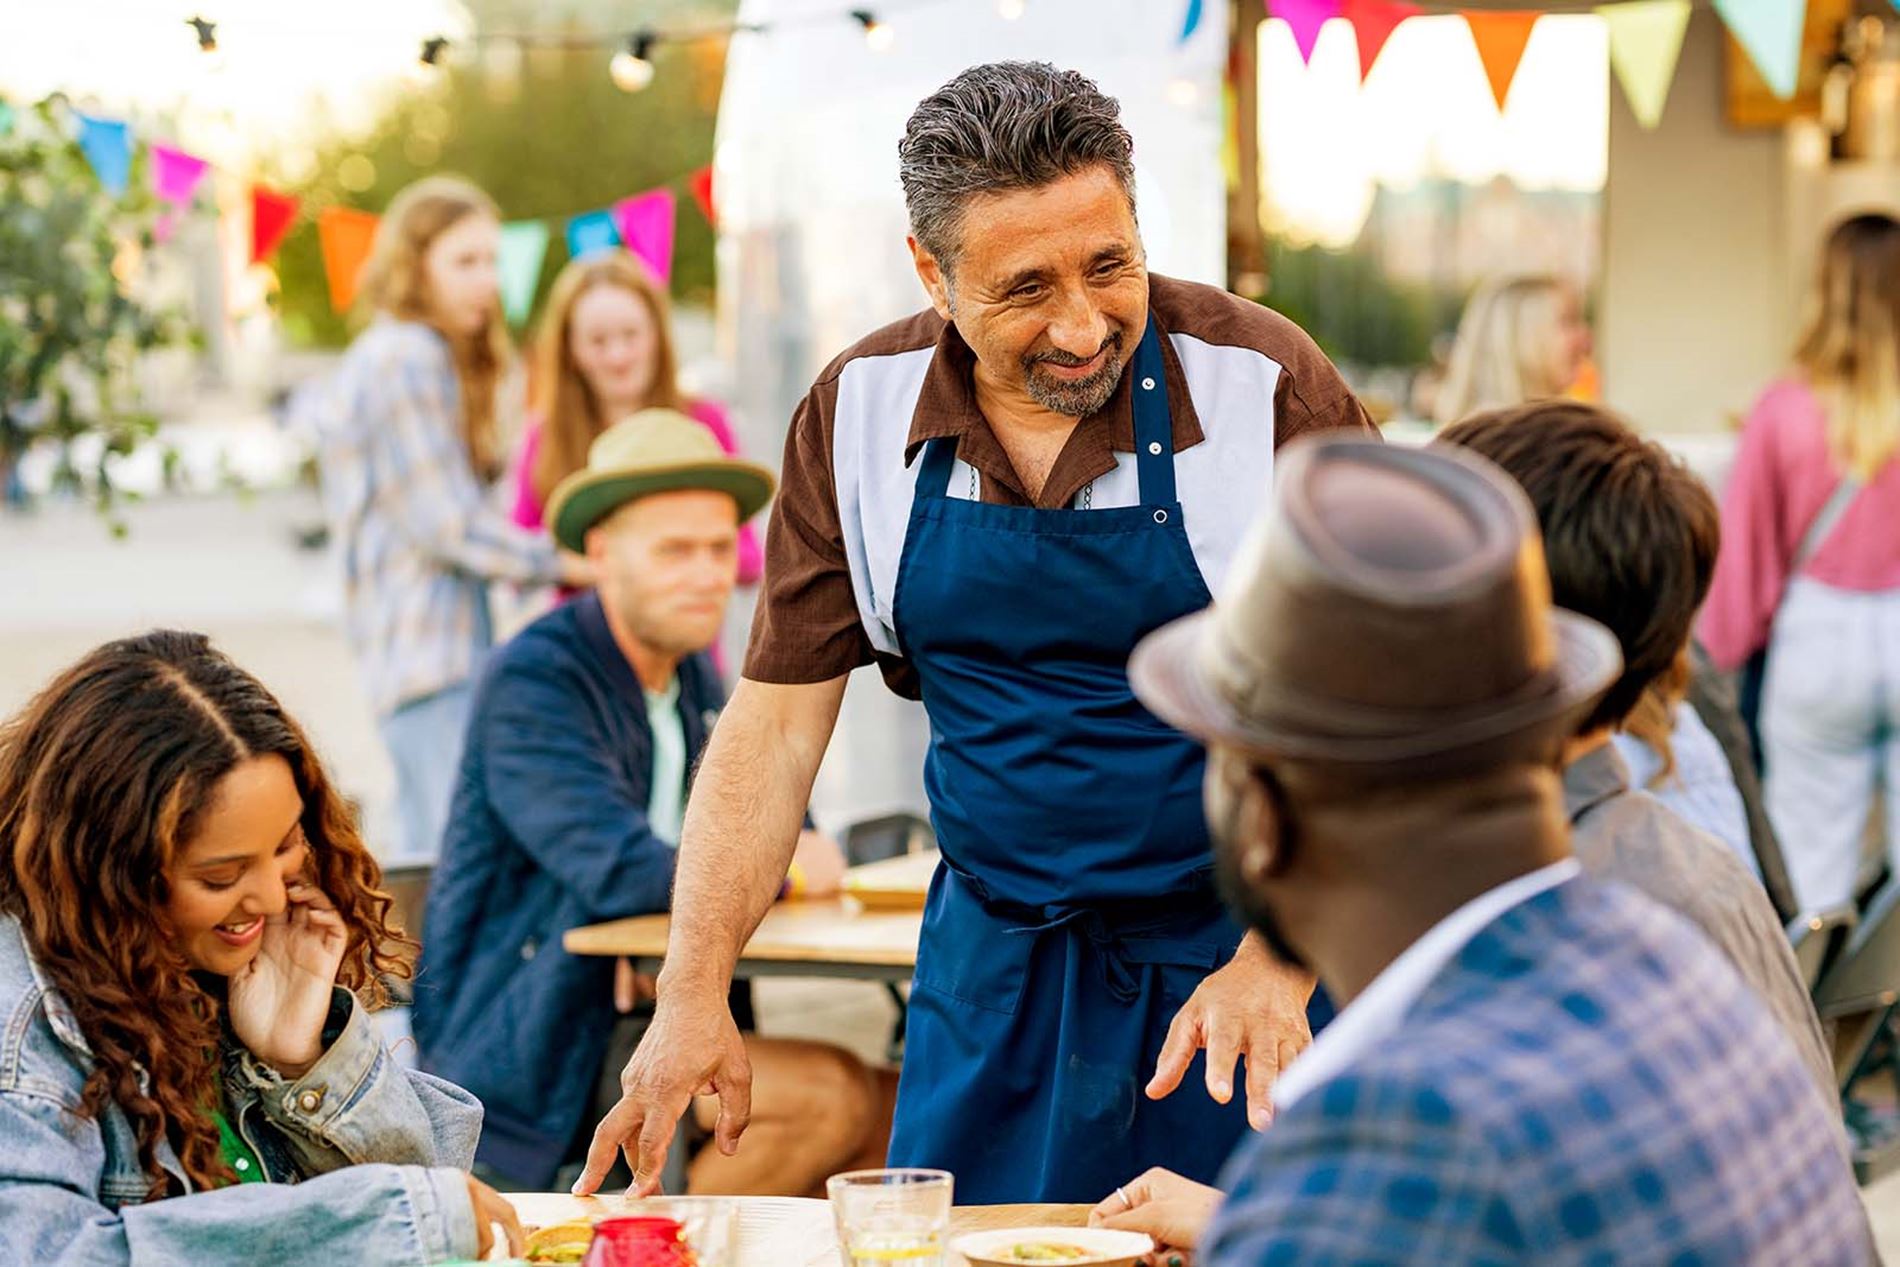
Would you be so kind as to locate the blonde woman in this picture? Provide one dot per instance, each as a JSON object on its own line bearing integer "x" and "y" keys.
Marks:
{"x": 605, "y": 353}
{"x": 409, "y": 447}
{"x": 1521, "y": 339}
{"x": 1810, "y": 565}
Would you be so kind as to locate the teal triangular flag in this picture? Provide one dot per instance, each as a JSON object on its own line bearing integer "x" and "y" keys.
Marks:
{"x": 6, "y": 118}
{"x": 524, "y": 243}
{"x": 1770, "y": 33}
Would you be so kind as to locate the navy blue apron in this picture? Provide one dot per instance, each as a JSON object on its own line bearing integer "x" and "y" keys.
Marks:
{"x": 1075, "y": 913}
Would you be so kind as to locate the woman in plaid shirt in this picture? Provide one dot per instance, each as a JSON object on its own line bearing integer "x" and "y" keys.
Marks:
{"x": 409, "y": 448}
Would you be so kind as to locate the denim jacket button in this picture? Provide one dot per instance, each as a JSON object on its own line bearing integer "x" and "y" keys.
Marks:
{"x": 528, "y": 948}
{"x": 310, "y": 1101}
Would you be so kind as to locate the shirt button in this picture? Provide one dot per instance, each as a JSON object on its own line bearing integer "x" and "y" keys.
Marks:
{"x": 1154, "y": 447}
{"x": 310, "y": 1101}
{"x": 1147, "y": 384}
{"x": 241, "y": 1165}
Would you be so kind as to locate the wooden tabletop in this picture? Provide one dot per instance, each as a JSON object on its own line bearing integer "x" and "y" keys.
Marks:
{"x": 895, "y": 884}
{"x": 807, "y": 1239}
{"x": 830, "y": 937}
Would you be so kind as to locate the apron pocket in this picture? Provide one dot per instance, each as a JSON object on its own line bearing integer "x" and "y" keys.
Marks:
{"x": 966, "y": 953}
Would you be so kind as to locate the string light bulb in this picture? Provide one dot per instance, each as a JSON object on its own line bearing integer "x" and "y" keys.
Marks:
{"x": 1011, "y": 10}
{"x": 878, "y": 36}
{"x": 429, "y": 58}
{"x": 207, "y": 33}
{"x": 632, "y": 67}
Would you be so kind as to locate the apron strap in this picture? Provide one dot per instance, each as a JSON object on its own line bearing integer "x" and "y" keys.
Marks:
{"x": 1154, "y": 427}
{"x": 939, "y": 464}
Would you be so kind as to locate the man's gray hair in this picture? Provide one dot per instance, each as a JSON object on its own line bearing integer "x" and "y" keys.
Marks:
{"x": 1000, "y": 127}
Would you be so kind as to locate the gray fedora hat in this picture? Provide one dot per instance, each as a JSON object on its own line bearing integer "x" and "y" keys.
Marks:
{"x": 1391, "y": 608}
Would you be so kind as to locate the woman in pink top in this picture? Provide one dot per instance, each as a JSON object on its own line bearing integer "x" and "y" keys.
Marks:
{"x": 606, "y": 351}
{"x": 1810, "y": 566}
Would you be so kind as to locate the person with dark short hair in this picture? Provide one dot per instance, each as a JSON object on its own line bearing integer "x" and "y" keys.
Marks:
{"x": 1630, "y": 536}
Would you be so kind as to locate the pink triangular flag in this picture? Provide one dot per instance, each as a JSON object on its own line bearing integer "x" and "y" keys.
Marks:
{"x": 175, "y": 174}
{"x": 1373, "y": 22}
{"x": 1306, "y": 17}
{"x": 645, "y": 222}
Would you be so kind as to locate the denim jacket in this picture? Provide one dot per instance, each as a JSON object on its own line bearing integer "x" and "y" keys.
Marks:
{"x": 364, "y": 1159}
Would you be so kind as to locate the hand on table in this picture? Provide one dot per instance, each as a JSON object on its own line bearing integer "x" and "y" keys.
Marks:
{"x": 1173, "y": 1211}
{"x": 1254, "y": 1007}
{"x": 492, "y": 1208}
{"x": 821, "y": 862}
{"x": 691, "y": 1048}
{"x": 278, "y": 1002}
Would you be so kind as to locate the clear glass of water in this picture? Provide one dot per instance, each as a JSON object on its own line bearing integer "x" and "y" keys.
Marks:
{"x": 709, "y": 1224}
{"x": 890, "y": 1217}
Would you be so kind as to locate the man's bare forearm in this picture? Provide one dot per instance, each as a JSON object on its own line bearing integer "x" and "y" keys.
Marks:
{"x": 742, "y": 824}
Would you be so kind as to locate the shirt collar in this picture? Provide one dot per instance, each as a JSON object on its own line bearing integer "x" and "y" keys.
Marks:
{"x": 946, "y": 407}
{"x": 1380, "y": 1009}
{"x": 1597, "y": 776}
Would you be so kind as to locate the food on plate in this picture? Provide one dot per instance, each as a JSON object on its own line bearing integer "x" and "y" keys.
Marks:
{"x": 561, "y": 1242}
{"x": 1047, "y": 1252}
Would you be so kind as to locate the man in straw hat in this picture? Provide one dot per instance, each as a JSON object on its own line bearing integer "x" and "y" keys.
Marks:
{"x": 1529, "y": 1067}
{"x": 567, "y": 813}
{"x": 993, "y": 501}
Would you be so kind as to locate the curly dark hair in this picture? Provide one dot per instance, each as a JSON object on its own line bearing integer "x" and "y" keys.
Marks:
{"x": 104, "y": 779}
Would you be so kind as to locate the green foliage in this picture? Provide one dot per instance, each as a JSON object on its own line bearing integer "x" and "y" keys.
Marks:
{"x": 552, "y": 140}
{"x": 1353, "y": 310}
{"x": 71, "y": 327}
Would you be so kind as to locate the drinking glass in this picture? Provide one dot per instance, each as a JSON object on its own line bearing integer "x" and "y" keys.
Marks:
{"x": 889, "y": 1217}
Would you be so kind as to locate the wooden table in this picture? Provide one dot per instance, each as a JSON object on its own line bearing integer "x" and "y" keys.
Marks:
{"x": 539, "y": 1209}
{"x": 834, "y": 937}
{"x": 895, "y": 884}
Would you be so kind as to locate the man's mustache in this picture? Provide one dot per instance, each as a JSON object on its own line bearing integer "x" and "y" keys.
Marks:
{"x": 1056, "y": 356}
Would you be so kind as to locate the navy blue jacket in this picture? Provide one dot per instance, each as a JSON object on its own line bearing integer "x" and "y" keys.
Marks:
{"x": 548, "y": 833}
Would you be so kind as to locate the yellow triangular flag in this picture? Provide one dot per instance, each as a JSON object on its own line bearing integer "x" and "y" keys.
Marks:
{"x": 1645, "y": 40}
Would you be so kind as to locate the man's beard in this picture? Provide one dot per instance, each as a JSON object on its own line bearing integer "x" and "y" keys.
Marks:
{"x": 1083, "y": 396}
{"x": 1241, "y": 897}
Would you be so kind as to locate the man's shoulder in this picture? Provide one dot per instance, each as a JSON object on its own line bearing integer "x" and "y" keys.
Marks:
{"x": 550, "y": 649}
{"x": 1636, "y": 839}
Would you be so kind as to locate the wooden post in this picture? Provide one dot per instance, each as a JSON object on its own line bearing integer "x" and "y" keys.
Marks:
{"x": 1246, "y": 242}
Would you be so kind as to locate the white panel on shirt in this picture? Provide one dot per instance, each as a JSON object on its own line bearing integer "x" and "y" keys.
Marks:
{"x": 1222, "y": 483}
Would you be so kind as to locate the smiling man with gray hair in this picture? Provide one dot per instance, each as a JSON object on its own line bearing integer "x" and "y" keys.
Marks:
{"x": 993, "y": 501}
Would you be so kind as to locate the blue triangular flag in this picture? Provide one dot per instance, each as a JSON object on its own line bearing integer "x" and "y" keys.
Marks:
{"x": 108, "y": 147}
{"x": 1770, "y": 32}
{"x": 591, "y": 231}
{"x": 1191, "y": 21}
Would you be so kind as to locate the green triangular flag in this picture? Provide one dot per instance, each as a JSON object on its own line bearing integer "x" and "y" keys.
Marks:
{"x": 1770, "y": 33}
{"x": 523, "y": 245}
{"x": 6, "y": 118}
{"x": 1645, "y": 40}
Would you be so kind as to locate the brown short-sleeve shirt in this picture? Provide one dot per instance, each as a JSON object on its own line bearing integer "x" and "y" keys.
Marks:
{"x": 1241, "y": 381}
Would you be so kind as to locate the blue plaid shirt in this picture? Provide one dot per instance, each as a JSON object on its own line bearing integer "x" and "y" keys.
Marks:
{"x": 417, "y": 537}
{"x": 1587, "y": 1081}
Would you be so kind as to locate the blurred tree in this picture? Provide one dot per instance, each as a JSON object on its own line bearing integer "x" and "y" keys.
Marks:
{"x": 71, "y": 324}
{"x": 543, "y": 130}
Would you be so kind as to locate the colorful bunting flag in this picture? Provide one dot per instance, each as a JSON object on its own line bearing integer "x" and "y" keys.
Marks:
{"x": 6, "y": 118}
{"x": 108, "y": 147}
{"x": 589, "y": 232}
{"x": 1501, "y": 36}
{"x": 272, "y": 214}
{"x": 646, "y": 224}
{"x": 345, "y": 235}
{"x": 1190, "y": 21}
{"x": 1645, "y": 40}
{"x": 700, "y": 183}
{"x": 175, "y": 174}
{"x": 1306, "y": 17}
{"x": 1373, "y": 22}
{"x": 524, "y": 243}
{"x": 1769, "y": 31}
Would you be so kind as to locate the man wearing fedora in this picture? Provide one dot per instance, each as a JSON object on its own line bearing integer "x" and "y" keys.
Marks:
{"x": 993, "y": 501}
{"x": 1529, "y": 1066}
{"x": 567, "y": 812}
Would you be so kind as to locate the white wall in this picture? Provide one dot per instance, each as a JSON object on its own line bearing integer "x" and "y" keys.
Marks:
{"x": 1694, "y": 315}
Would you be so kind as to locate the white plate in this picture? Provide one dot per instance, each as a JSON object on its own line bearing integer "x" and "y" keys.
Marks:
{"x": 1108, "y": 1248}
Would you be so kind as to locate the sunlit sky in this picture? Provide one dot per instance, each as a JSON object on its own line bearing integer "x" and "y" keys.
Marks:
{"x": 1425, "y": 112}
{"x": 286, "y": 69}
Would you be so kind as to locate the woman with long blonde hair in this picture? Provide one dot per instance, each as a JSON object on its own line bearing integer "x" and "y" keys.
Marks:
{"x": 410, "y": 443}
{"x": 1810, "y": 566}
{"x": 1521, "y": 339}
{"x": 605, "y": 353}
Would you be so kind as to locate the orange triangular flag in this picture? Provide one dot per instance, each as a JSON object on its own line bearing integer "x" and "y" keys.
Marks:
{"x": 345, "y": 234}
{"x": 1501, "y": 37}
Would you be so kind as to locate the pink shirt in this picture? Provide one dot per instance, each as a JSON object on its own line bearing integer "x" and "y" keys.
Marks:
{"x": 528, "y": 507}
{"x": 1783, "y": 478}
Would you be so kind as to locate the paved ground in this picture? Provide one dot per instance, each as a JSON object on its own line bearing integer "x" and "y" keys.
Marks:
{"x": 232, "y": 569}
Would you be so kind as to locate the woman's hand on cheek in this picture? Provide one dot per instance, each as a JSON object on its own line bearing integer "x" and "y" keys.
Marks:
{"x": 279, "y": 1001}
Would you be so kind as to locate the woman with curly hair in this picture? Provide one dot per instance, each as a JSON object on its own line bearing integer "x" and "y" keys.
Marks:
{"x": 191, "y": 938}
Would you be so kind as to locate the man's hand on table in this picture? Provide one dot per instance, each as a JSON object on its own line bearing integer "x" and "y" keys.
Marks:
{"x": 1254, "y": 1007}
{"x": 691, "y": 1048}
{"x": 1172, "y": 1210}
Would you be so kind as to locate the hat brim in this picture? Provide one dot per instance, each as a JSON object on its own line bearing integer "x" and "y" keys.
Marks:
{"x": 585, "y": 498}
{"x": 1167, "y": 675}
